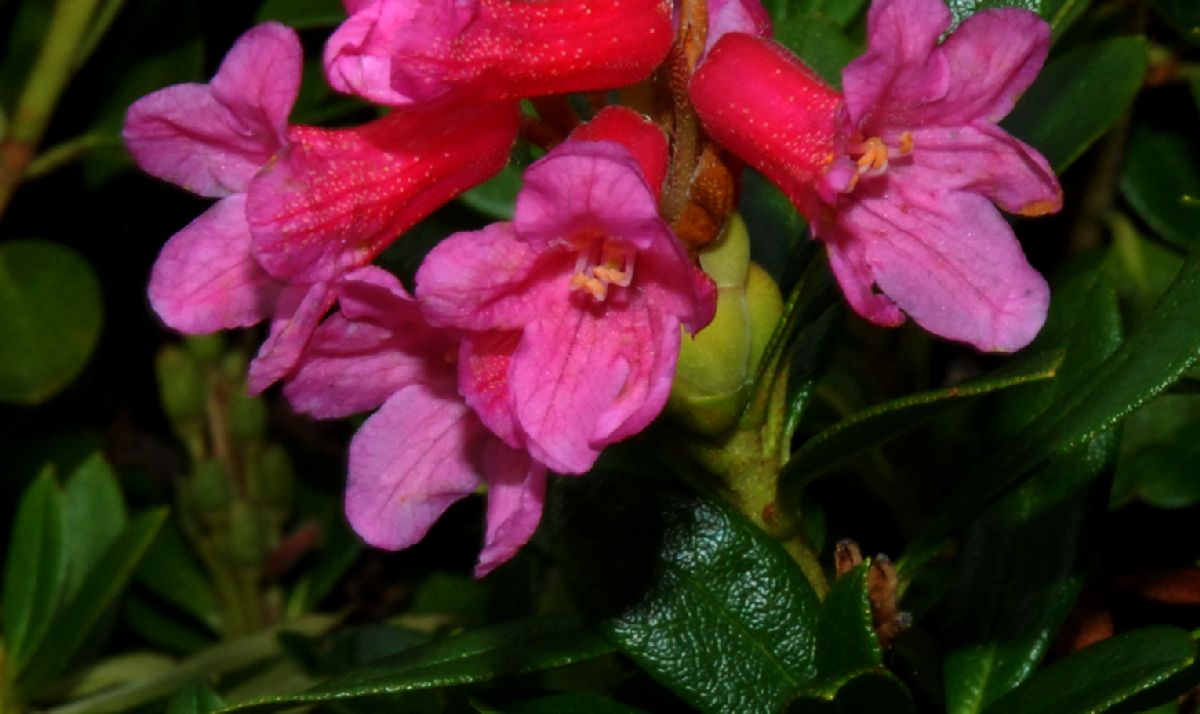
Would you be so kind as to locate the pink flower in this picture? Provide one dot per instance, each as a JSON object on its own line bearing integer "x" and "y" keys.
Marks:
{"x": 725, "y": 16}
{"x": 573, "y": 310}
{"x": 299, "y": 205}
{"x": 899, "y": 178}
{"x": 424, "y": 449}
{"x": 402, "y": 52}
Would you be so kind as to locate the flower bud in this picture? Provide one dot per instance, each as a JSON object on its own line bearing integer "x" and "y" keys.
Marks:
{"x": 765, "y": 306}
{"x": 205, "y": 348}
{"x": 246, "y": 416}
{"x": 180, "y": 386}
{"x": 248, "y": 537}
{"x": 272, "y": 478}
{"x": 728, "y": 257}
{"x": 209, "y": 492}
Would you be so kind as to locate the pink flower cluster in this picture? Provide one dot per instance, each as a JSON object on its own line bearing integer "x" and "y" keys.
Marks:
{"x": 532, "y": 344}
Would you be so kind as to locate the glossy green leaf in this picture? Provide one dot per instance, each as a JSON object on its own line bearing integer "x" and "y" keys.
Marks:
{"x": 870, "y": 693}
{"x": 1016, "y": 578}
{"x": 775, "y": 227}
{"x": 98, "y": 591}
{"x": 50, "y": 315}
{"x": 94, "y": 514}
{"x": 303, "y": 14}
{"x": 568, "y": 704}
{"x": 170, "y": 571}
{"x": 1102, "y": 675}
{"x": 1062, "y": 13}
{"x": 505, "y": 650}
{"x": 35, "y": 571}
{"x": 881, "y": 423}
{"x": 1162, "y": 181}
{"x": 495, "y": 197}
{"x": 696, "y": 595}
{"x": 1155, "y": 355}
{"x": 1104, "y": 77}
{"x": 1162, "y": 474}
{"x": 198, "y": 698}
{"x": 819, "y": 42}
{"x": 846, "y": 641}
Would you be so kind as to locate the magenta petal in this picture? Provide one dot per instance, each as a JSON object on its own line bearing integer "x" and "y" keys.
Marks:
{"x": 358, "y": 54}
{"x": 408, "y": 463}
{"x": 516, "y": 493}
{"x": 297, "y": 315}
{"x": 993, "y": 57}
{"x": 848, "y": 261}
{"x": 485, "y": 279}
{"x": 483, "y": 366}
{"x": 582, "y": 186}
{"x": 984, "y": 159}
{"x": 183, "y": 135}
{"x": 969, "y": 285}
{"x": 205, "y": 278}
{"x": 900, "y": 71}
{"x": 260, "y": 77}
{"x": 578, "y": 377}
{"x": 351, "y": 367}
{"x": 672, "y": 285}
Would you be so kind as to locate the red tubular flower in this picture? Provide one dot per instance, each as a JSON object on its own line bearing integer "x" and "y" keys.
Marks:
{"x": 334, "y": 198}
{"x": 404, "y": 52}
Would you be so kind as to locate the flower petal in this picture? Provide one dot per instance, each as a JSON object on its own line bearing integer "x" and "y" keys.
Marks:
{"x": 337, "y": 197}
{"x": 642, "y": 137}
{"x": 205, "y": 278}
{"x": 297, "y": 314}
{"x": 900, "y": 72}
{"x": 408, "y": 463}
{"x": 993, "y": 57}
{"x": 984, "y": 159}
{"x": 212, "y": 139}
{"x": 593, "y": 186}
{"x": 405, "y": 52}
{"x": 483, "y": 366}
{"x": 951, "y": 262}
{"x": 744, "y": 16}
{"x": 352, "y": 366}
{"x": 580, "y": 376}
{"x": 516, "y": 493}
{"x": 487, "y": 279}
{"x": 761, "y": 103}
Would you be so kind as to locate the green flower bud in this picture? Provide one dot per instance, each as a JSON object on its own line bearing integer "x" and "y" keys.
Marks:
{"x": 180, "y": 386}
{"x": 246, "y": 416}
{"x": 765, "y": 305}
{"x": 233, "y": 366}
{"x": 271, "y": 479}
{"x": 248, "y": 536}
{"x": 727, "y": 258}
{"x": 206, "y": 348}
{"x": 209, "y": 492}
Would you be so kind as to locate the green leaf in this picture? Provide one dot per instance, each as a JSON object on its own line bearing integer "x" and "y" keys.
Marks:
{"x": 1062, "y": 13}
{"x": 1183, "y": 15}
{"x": 568, "y": 704}
{"x": 1162, "y": 183}
{"x": 775, "y": 227}
{"x": 339, "y": 552}
{"x": 696, "y": 595}
{"x": 170, "y": 571}
{"x": 303, "y": 14}
{"x": 94, "y": 513}
{"x": 1102, "y": 675}
{"x": 874, "y": 426}
{"x": 871, "y": 693}
{"x": 35, "y": 571}
{"x": 846, "y": 641}
{"x": 819, "y": 42}
{"x": 1017, "y": 577}
{"x": 198, "y": 698}
{"x": 1158, "y": 352}
{"x": 495, "y": 197}
{"x": 962, "y": 9}
{"x": 505, "y": 650}
{"x": 838, "y": 12}
{"x": 50, "y": 315}
{"x": 1162, "y": 474}
{"x": 98, "y": 591}
{"x": 1078, "y": 97}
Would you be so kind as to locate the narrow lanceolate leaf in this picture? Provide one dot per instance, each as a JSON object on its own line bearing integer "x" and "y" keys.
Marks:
{"x": 881, "y": 423}
{"x": 567, "y": 704}
{"x": 1016, "y": 578}
{"x": 35, "y": 571}
{"x": 1154, "y": 356}
{"x": 506, "y": 650}
{"x": 1078, "y": 97}
{"x": 99, "y": 589}
{"x": 846, "y": 641}
{"x": 699, "y": 597}
{"x": 1162, "y": 182}
{"x": 95, "y": 508}
{"x": 1102, "y": 675}
{"x": 198, "y": 698}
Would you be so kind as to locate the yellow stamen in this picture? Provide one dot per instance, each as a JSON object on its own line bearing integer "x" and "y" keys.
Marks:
{"x": 906, "y": 143}
{"x": 874, "y": 159}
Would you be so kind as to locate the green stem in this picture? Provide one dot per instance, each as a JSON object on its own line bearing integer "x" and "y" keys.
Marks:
{"x": 68, "y": 151}
{"x": 44, "y": 86}
{"x": 215, "y": 661}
